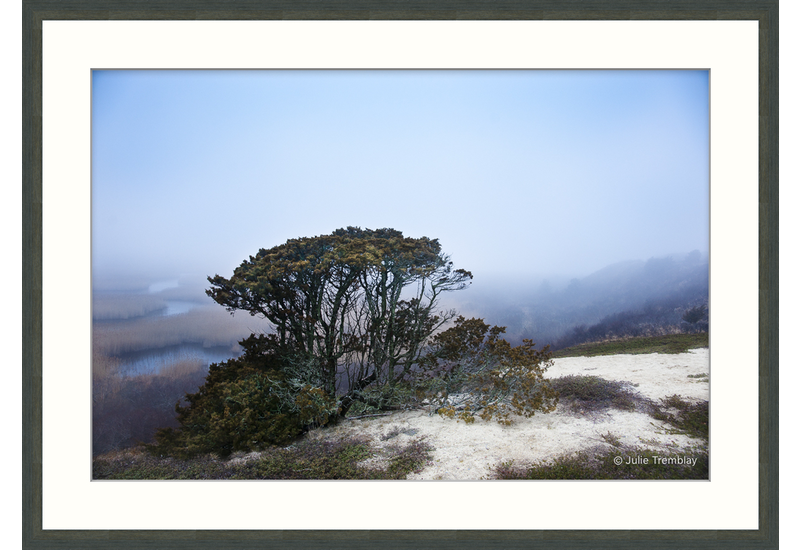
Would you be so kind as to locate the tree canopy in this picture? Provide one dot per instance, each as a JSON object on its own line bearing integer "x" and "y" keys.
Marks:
{"x": 356, "y": 306}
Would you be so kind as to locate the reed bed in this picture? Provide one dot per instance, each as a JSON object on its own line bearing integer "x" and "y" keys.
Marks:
{"x": 127, "y": 410}
{"x": 125, "y": 306}
{"x": 206, "y": 326}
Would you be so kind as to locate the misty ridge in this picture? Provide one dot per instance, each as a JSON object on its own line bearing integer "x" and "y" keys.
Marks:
{"x": 632, "y": 298}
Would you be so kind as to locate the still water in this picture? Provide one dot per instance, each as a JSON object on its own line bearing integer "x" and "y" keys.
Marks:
{"x": 154, "y": 360}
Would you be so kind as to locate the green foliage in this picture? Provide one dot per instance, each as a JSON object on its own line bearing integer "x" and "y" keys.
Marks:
{"x": 672, "y": 343}
{"x": 314, "y": 407}
{"x": 246, "y": 403}
{"x": 337, "y": 299}
{"x": 472, "y": 371}
{"x": 238, "y": 415}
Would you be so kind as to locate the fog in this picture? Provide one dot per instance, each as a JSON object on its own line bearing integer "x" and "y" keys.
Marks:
{"x": 529, "y": 179}
{"x": 579, "y": 200}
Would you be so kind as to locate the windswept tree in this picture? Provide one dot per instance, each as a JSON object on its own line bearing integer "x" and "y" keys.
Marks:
{"x": 356, "y": 306}
{"x": 355, "y": 320}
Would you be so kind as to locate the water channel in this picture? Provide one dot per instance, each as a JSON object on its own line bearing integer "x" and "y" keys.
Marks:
{"x": 154, "y": 360}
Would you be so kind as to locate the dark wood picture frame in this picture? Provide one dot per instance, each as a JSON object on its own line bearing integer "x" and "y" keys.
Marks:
{"x": 34, "y": 12}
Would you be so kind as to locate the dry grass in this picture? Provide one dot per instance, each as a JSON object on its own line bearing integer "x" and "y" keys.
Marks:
{"x": 306, "y": 459}
{"x": 125, "y": 306}
{"x": 206, "y": 326}
{"x": 127, "y": 411}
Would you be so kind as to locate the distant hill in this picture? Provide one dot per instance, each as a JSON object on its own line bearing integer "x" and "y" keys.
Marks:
{"x": 640, "y": 297}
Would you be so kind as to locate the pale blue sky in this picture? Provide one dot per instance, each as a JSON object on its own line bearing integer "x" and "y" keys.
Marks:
{"x": 526, "y": 172}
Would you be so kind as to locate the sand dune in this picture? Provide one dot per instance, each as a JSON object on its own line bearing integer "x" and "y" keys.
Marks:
{"x": 470, "y": 451}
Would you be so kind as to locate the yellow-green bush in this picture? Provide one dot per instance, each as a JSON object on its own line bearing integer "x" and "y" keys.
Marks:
{"x": 246, "y": 403}
{"x": 472, "y": 371}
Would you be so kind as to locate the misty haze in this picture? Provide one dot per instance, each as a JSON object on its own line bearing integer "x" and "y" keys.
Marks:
{"x": 154, "y": 344}
{"x": 576, "y": 200}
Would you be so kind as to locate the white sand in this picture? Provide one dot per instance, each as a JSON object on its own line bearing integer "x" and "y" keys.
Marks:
{"x": 470, "y": 451}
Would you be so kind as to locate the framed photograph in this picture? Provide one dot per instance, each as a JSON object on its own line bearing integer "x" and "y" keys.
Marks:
{"x": 114, "y": 179}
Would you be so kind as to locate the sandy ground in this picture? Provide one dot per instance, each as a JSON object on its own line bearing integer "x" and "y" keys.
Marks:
{"x": 470, "y": 451}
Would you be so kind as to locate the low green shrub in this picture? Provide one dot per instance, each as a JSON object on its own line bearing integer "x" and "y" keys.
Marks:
{"x": 592, "y": 393}
{"x": 688, "y": 417}
{"x": 472, "y": 371}
{"x": 246, "y": 404}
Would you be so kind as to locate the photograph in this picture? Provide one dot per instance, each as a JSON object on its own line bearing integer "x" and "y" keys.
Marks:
{"x": 400, "y": 274}
{"x": 400, "y": 277}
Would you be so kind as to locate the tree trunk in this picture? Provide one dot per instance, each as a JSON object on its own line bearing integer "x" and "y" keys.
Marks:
{"x": 355, "y": 391}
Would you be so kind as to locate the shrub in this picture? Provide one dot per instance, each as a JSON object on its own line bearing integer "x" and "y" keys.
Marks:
{"x": 472, "y": 371}
{"x": 245, "y": 404}
{"x": 695, "y": 314}
{"x": 593, "y": 393}
{"x": 690, "y": 418}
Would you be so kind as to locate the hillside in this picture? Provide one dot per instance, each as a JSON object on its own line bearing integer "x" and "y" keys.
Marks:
{"x": 621, "y": 407}
{"x": 634, "y": 298}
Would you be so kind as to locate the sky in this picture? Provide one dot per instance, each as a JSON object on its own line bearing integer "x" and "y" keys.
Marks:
{"x": 523, "y": 172}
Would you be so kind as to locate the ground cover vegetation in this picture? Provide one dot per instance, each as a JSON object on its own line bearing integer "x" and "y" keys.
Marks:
{"x": 355, "y": 319}
{"x": 599, "y": 463}
{"x": 133, "y": 325}
{"x": 590, "y": 395}
{"x": 670, "y": 343}
{"x": 355, "y": 459}
{"x": 615, "y": 460}
{"x": 351, "y": 458}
